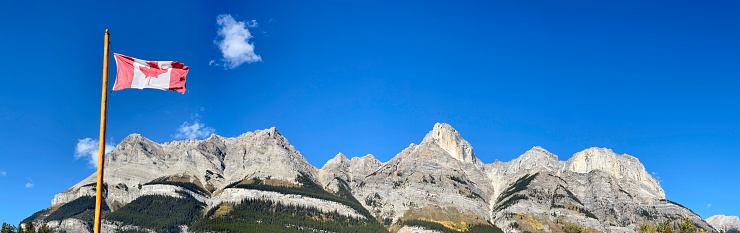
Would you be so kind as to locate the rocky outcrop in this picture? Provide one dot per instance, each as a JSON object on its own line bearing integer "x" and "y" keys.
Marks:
{"x": 212, "y": 164}
{"x": 449, "y": 140}
{"x": 340, "y": 169}
{"x": 623, "y": 167}
{"x": 442, "y": 171}
{"x": 231, "y": 195}
{"x": 440, "y": 180}
{"x": 730, "y": 224}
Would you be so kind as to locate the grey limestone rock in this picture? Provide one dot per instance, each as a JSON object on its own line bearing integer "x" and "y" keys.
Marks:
{"x": 441, "y": 179}
{"x": 725, "y": 223}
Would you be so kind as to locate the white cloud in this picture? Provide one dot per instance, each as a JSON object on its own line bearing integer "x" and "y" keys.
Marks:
{"x": 233, "y": 41}
{"x": 253, "y": 24}
{"x": 193, "y": 131}
{"x": 29, "y": 185}
{"x": 87, "y": 148}
{"x": 709, "y": 206}
{"x": 656, "y": 177}
{"x": 210, "y": 63}
{"x": 3, "y": 173}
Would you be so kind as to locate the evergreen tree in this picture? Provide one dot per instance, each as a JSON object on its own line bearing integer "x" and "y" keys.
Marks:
{"x": 29, "y": 228}
{"x": 44, "y": 229}
{"x": 665, "y": 227}
{"x": 647, "y": 228}
{"x": 7, "y": 228}
{"x": 686, "y": 226}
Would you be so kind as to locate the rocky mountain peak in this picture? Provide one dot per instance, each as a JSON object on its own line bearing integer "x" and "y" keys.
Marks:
{"x": 603, "y": 159}
{"x": 539, "y": 151}
{"x": 447, "y": 138}
{"x": 726, "y": 223}
{"x": 133, "y": 137}
{"x": 369, "y": 158}
{"x": 135, "y": 148}
{"x": 338, "y": 160}
{"x": 620, "y": 166}
{"x": 537, "y": 157}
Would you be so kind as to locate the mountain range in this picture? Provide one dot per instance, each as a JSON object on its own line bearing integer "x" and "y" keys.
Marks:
{"x": 258, "y": 182}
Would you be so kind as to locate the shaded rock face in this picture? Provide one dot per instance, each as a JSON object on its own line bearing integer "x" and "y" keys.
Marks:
{"x": 440, "y": 179}
{"x": 596, "y": 188}
{"x": 622, "y": 167}
{"x": 212, "y": 164}
{"x": 351, "y": 172}
{"x": 725, "y": 223}
{"x": 441, "y": 171}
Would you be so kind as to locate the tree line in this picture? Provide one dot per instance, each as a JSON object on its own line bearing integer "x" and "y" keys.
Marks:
{"x": 24, "y": 228}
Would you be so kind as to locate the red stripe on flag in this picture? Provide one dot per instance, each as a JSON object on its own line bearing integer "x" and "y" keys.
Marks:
{"x": 125, "y": 74}
{"x": 177, "y": 77}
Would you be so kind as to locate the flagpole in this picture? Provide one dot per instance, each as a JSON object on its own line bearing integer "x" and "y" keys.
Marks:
{"x": 101, "y": 144}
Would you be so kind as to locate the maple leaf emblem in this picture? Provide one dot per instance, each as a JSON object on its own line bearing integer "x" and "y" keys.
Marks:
{"x": 153, "y": 71}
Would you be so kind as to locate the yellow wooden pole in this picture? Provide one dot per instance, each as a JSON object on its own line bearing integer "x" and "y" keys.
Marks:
{"x": 101, "y": 145}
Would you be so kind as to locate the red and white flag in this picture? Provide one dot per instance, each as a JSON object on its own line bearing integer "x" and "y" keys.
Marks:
{"x": 140, "y": 74}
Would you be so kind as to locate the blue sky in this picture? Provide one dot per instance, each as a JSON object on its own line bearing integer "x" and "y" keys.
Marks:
{"x": 657, "y": 80}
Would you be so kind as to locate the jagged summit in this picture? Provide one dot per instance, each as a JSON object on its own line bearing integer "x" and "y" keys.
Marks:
{"x": 534, "y": 158}
{"x": 538, "y": 150}
{"x": 622, "y": 167}
{"x": 439, "y": 179}
{"x": 351, "y": 171}
{"x": 450, "y": 140}
{"x": 367, "y": 157}
{"x": 336, "y": 161}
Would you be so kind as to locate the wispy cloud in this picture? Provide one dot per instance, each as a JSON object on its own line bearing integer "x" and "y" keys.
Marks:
{"x": 3, "y": 173}
{"x": 709, "y": 206}
{"x": 193, "y": 131}
{"x": 253, "y": 24}
{"x": 655, "y": 175}
{"x": 87, "y": 148}
{"x": 233, "y": 41}
{"x": 29, "y": 184}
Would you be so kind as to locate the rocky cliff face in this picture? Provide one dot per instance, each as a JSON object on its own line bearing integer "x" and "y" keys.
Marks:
{"x": 340, "y": 169}
{"x": 439, "y": 180}
{"x": 212, "y": 164}
{"x": 441, "y": 172}
{"x": 729, "y": 224}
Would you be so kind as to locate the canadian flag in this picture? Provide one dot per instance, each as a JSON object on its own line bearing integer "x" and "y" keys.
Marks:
{"x": 140, "y": 74}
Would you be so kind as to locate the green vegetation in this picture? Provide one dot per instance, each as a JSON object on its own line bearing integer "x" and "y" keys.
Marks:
{"x": 36, "y": 215}
{"x": 686, "y": 225}
{"x": 267, "y": 216}
{"x": 519, "y": 185}
{"x": 476, "y": 228}
{"x": 7, "y": 228}
{"x": 30, "y": 228}
{"x": 309, "y": 189}
{"x": 574, "y": 228}
{"x": 133, "y": 231}
{"x": 186, "y": 185}
{"x": 676, "y": 203}
{"x": 159, "y": 213}
{"x": 253, "y": 215}
{"x": 571, "y": 195}
{"x": 647, "y": 228}
{"x": 458, "y": 180}
{"x": 511, "y": 201}
{"x": 82, "y": 208}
